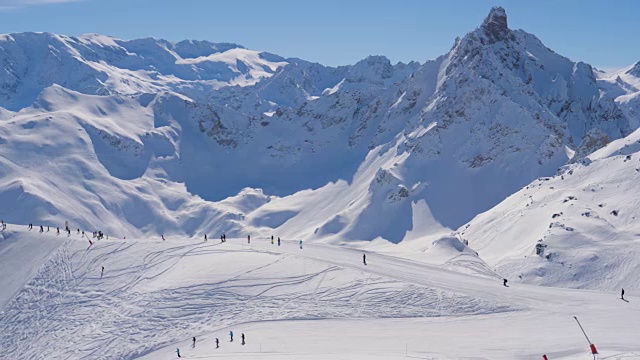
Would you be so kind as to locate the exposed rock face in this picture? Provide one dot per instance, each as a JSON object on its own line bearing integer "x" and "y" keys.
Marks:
{"x": 495, "y": 25}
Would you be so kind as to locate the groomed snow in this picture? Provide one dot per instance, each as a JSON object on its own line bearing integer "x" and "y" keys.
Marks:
{"x": 319, "y": 302}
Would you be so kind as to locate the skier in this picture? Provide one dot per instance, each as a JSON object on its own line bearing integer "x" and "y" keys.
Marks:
{"x": 231, "y": 335}
{"x": 504, "y": 282}
{"x": 58, "y": 229}
{"x": 278, "y": 241}
{"x": 221, "y": 239}
{"x": 102, "y": 272}
{"x": 205, "y": 237}
{"x": 194, "y": 342}
{"x": 217, "y": 343}
{"x": 162, "y": 237}
{"x": 364, "y": 259}
{"x": 224, "y": 236}
{"x": 47, "y": 229}
{"x": 300, "y": 244}
{"x": 271, "y": 239}
{"x": 178, "y": 352}
{"x": 248, "y": 239}
{"x": 90, "y": 243}
{"x": 243, "y": 339}
{"x": 622, "y": 296}
{"x": 41, "y": 229}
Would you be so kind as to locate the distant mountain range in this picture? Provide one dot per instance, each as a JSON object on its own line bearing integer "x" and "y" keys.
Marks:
{"x": 148, "y": 137}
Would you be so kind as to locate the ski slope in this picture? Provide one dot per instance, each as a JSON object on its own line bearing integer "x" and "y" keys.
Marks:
{"x": 318, "y": 302}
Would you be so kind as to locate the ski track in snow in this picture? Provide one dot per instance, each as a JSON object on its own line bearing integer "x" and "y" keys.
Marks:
{"x": 68, "y": 311}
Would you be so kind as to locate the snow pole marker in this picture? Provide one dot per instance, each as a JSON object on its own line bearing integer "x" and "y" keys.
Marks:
{"x": 592, "y": 347}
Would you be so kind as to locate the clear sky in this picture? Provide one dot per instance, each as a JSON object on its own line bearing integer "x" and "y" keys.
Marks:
{"x": 336, "y": 32}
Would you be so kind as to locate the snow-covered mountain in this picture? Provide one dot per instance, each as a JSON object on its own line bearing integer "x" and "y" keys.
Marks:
{"x": 624, "y": 85}
{"x": 584, "y": 219}
{"x": 101, "y": 65}
{"x": 152, "y": 137}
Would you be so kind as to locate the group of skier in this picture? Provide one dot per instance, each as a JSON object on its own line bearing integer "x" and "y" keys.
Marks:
{"x": 99, "y": 235}
{"x": 193, "y": 344}
{"x": 223, "y": 238}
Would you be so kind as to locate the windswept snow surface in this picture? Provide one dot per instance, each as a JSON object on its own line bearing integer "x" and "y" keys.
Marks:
{"x": 311, "y": 303}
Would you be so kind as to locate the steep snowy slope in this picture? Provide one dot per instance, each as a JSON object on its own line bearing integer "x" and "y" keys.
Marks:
{"x": 586, "y": 219}
{"x": 152, "y": 137}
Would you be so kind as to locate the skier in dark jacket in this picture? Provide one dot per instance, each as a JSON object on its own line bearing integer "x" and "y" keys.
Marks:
{"x": 278, "y": 241}
{"x": 622, "y": 295}
{"x": 194, "y": 342}
{"x": 243, "y": 339}
{"x": 178, "y": 352}
{"x": 248, "y": 239}
{"x": 217, "y": 343}
{"x": 231, "y": 335}
{"x": 504, "y": 282}
{"x": 364, "y": 259}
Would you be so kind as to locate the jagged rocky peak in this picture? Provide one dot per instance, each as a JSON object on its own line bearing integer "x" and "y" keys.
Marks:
{"x": 495, "y": 25}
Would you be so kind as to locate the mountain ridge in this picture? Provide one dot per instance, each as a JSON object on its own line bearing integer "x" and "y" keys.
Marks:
{"x": 368, "y": 141}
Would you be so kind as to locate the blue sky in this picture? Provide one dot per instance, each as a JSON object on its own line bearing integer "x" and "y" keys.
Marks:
{"x": 335, "y": 32}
